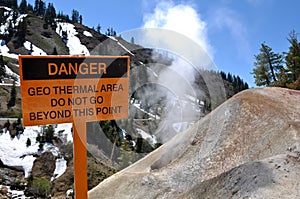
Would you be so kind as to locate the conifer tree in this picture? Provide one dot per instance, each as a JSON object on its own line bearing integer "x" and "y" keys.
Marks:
{"x": 13, "y": 96}
{"x": 293, "y": 57}
{"x": 98, "y": 28}
{"x": 21, "y": 34}
{"x": 2, "y": 68}
{"x": 50, "y": 14}
{"x": 23, "y": 7}
{"x": 267, "y": 65}
{"x": 75, "y": 16}
{"x": 54, "y": 51}
{"x": 80, "y": 19}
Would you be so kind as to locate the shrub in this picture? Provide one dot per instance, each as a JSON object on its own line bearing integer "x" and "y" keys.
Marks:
{"x": 41, "y": 187}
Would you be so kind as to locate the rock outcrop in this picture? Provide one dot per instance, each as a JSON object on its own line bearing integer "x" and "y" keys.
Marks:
{"x": 253, "y": 125}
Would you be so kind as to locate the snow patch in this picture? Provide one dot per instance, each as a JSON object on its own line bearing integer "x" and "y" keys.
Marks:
{"x": 8, "y": 14}
{"x": 113, "y": 38}
{"x": 60, "y": 168}
{"x": 20, "y": 19}
{"x": 64, "y": 132}
{"x": 15, "y": 194}
{"x": 125, "y": 48}
{"x": 150, "y": 138}
{"x": 87, "y": 33}
{"x": 13, "y": 152}
{"x": 73, "y": 42}
{"x": 35, "y": 50}
{"x": 4, "y": 50}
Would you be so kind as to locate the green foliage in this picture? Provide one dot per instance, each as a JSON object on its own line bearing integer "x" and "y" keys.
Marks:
{"x": 50, "y": 14}
{"x": 21, "y": 34}
{"x": 54, "y": 51}
{"x": 98, "y": 29}
{"x": 39, "y": 7}
{"x": 236, "y": 82}
{"x": 293, "y": 57}
{"x": 274, "y": 69}
{"x": 23, "y": 7}
{"x": 76, "y": 16}
{"x": 267, "y": 65}
{"x": 13, "y": 96}
{"x": 111, "y": 131}
{"x": 41, "y": 187}
{"x": 48, "y": 133}
{"x": 261, "y": 75}
{"x": 2, "y": 68}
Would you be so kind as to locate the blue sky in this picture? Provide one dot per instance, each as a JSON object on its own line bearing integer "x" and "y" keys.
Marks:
{"x": 233, "y": 29}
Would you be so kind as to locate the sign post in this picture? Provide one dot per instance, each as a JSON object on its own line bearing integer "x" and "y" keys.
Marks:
{"x": 77, "y": 89}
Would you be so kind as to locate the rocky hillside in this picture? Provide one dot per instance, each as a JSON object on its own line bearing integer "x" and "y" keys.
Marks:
{"x": 274, "y": 177}
{"x": 246, "y": 133}
{"x": 150, "y": 109}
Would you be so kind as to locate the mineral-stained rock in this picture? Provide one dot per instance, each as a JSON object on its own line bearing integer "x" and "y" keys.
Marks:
{"x": 252, "y": 125}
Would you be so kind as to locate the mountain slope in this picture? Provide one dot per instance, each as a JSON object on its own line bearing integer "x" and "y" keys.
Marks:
{"x": 252, "y": 125}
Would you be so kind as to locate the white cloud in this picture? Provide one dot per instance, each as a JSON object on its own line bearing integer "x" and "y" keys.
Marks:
{"x": 225, "y": 18}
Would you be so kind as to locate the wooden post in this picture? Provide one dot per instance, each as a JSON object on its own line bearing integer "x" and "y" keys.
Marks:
{"x": 80, "y": 161}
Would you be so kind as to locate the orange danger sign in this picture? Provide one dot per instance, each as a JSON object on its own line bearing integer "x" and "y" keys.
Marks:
{"x": 60, "y": 89}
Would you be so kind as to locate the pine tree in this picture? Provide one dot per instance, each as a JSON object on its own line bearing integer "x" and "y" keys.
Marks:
{"x": 54, "y": 51}
{"x": 50, "y": 14}
{"x": 29, "y": 8}
{"x": 80, "y": 19}
{"x": 21, "y": 34}
{"x": 293, "y": 57}
{"x": 14, "y": 4}
{"x": 2, "y": 68}
{"x": 262, "y": 75}
{"x": 39, "y": 8}
{"x": 36, "y": 6}
{"x": 98, "y": 28}
{"x": 75, "y": 16}
{"x": 23, "y": 7}
{"x": 2, "y": 19}
{"x": 49, "y": 133}
{"x": 267, "y": 65}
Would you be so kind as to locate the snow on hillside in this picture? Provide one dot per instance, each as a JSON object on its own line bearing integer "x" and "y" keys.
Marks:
{"x": 118, "y": 42}
{"x": 15, "y": 194}
{"x": 14, "y": 152}
{"x": 150, "y": 138}
{"x": 35, "y": 50}
{"x": 87, "y": 33}
{"x": 8, "y": 14}
{"x": 73, "y": 42}
{"x": 4, "y": 50}
{"x": 9, "y": 72}
{"x": 60, "y": 168}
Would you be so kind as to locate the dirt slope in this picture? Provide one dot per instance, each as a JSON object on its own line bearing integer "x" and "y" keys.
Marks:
{"x": 252, "y": 125}
{"x": 275, "y": 177}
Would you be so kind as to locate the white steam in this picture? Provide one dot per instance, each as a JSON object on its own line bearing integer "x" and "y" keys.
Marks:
{"x": 179, "y": 30}
{"x": 182, "y": 19}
